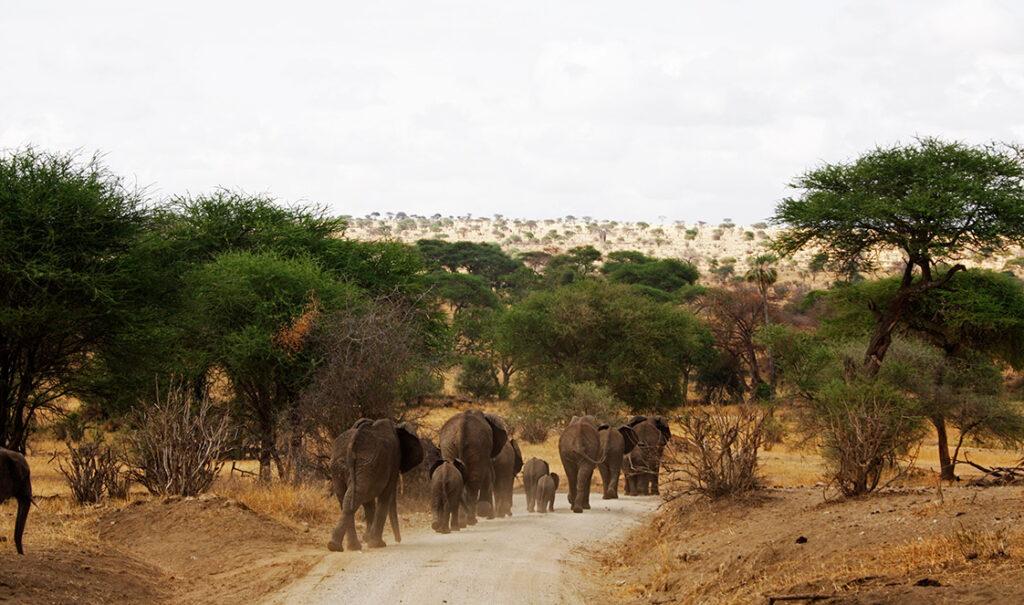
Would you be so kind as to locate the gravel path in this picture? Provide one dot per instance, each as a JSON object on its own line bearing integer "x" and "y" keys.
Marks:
{"x": 527, "y": 558}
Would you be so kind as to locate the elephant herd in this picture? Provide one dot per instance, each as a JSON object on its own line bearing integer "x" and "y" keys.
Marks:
{"x": 472, "y": 470}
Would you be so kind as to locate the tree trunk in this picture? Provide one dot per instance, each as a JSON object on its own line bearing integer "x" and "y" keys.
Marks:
{"x": 945, "y": 462}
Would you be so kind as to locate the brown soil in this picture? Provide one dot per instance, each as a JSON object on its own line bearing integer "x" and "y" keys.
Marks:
{"x": 967, "y": 547}
{"x": 212, "y": 550}
{"x": 202, "y": 550}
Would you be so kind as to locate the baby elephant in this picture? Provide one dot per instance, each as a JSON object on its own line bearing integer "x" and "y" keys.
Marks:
{"x": 447, "y": 479}
{"x": 546, "y": 487}
{"x": 533, "y": 470}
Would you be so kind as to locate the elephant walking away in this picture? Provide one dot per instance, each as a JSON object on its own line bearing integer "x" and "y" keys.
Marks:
{"x": 644, "y": 462}
{"x": 16, "y": 482}
{"x": 533, "y": 470}
{"x": 546, "y": 488}
{"x": 579, "y": 447}
{"x": 506, "y": 465}
{"x": 474, "y": 438}
{"x": 365, "y": 463}
{"x": 446, "y": 485}
{"x": 615, "y": 443}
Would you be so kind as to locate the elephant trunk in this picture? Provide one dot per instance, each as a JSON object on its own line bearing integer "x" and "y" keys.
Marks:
{"x": 24, "y": 502}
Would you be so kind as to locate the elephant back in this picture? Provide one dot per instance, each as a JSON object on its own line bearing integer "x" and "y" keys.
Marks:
{"x": 469, "y": 437}
{"x": 581, "y": 440}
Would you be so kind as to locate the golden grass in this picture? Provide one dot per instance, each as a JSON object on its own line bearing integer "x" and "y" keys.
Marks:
{"x": 287, "y": 503}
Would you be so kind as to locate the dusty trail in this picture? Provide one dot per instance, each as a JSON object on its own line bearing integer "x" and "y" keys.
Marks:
{"x": 524, "y": 559}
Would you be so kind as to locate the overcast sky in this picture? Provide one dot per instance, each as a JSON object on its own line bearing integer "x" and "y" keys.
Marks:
{"x": 625, "y": 110}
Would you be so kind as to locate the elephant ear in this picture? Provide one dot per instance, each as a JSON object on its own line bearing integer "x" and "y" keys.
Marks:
{"x": 462, "y": 468}
{"x": 358, "y": 424}
{"x": 499, "y": 436}
{"x": 410, "y": 446}
{"x": 635, "y": 420}
{"x": 554, "y": 477}
{"x": 629, "y": 438}
{"x": 603, "y": 427}
{"x": 518, "y": 464}
{"x": 433, "y": 467}
{"x": 666, "y": 433}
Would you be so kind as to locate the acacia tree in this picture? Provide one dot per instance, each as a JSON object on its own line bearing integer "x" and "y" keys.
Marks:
{"x": 931, "y": 200}
{"x": 65, "y": 226}
{"x": 974, "y": 320}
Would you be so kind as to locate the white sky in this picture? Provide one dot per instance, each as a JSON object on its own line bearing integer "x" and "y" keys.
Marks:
{"x": 626, "y": 110}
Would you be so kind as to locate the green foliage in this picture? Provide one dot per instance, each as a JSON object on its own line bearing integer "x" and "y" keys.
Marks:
{"x": 477, "y": 378}
{"x": 607, "y": 334}
{"x": 65, "y": 228}
{"x": 668, "y": 275}
{"x": 461, "y": 290}
{"x": 487, "y": 261}
{"x": 930, "y": 199}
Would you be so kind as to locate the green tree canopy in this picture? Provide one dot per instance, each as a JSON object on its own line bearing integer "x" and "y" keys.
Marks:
{"x": 631, "y": 267}
{"x": 65, "y": 228}
{"x": 931, "y": 200}
{"x": 608, "y": 334}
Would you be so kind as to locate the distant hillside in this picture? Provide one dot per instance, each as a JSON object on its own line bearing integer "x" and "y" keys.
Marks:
{"x": 712, "y": 248}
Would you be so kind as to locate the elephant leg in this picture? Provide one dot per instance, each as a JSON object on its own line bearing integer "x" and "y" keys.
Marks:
{"x": 611, "y": 486}
{"x": 472, "y": 495}
{"x": 654, "y": 483}
{"x": 605, "y": 479}
{"x": 585, "y": 476}
{"x": 336, "y": 543}
{"x": 376, "y": 538}
{"x": 529, "y": 495}
{"x": 571, "y": 472}
{"x": 369, "y": 508}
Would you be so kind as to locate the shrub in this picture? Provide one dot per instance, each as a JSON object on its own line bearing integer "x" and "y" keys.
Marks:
{"x": 530, "y": 427}
{"x": 866, "y": 427}
{"x": 719, "y": 451}
{"x": 92, "y": 470}
{"x": 176, "y": 443}
{"x": 477, "y": 378}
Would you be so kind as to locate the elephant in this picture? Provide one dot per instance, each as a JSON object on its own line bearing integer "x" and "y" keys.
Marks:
{"x": 615, "y": 443}
{"x": 16, "y": 482}
{"x": 644, "y": 462}
{"x": 365, "y": 463}
{"x": 579, "y": 447}
{"x": 506, "y": 465}
{"x": 446, "y": 489}
{"x": 533, "y": 470}
{"x": 474, "y": 438}
{"x": 547, "y": 485}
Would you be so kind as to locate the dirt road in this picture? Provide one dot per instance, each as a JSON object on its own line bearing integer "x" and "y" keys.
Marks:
{"x": 524, "y": 559}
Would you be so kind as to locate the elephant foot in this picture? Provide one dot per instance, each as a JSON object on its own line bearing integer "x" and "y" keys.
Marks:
{"x": 577, "y": 509}
{"x": 471, "y": 521}
{"x": 586, "y": 506}
{"x": 335, "y": 546}
{"x": 376, "y": 543}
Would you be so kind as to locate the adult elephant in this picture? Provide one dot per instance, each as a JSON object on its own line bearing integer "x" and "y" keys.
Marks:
{"x": 475, "y": 438}
{"x": 365, "y": 463}
{"x": 644, "y": 463}
{"x": 506, "y": 465}
{"x": 615, "y": 443}
{"x": 16, "y": 482}
{"x": 579, "y": 447}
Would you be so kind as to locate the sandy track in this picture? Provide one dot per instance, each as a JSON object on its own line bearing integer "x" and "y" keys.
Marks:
{"x": 523, "y": 559}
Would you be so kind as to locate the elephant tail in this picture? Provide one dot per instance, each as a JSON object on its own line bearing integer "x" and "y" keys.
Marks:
{"x": 393, "y": 516}
{"x": 604, "y": 456}
{"x": 24, "y": 502}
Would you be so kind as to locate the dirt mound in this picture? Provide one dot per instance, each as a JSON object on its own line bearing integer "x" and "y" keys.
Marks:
{"x": 212, "y": 549}
{"x": 78, "y": 574}
{"x": 901, "y": 547}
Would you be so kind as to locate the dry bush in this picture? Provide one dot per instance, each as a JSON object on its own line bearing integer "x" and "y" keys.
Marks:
{"x": 530, "y": 428}
{"x": 865, "y": 429}
{"x": 716, "y": 452}
{"x": 303, "y": 503}
{"x": 176, "y": 444}
{"x": 92, "y": 470}
{"x": 366, "y": 356}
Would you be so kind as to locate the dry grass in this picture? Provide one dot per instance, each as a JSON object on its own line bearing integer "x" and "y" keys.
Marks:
{"x": 290, "y": 504}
